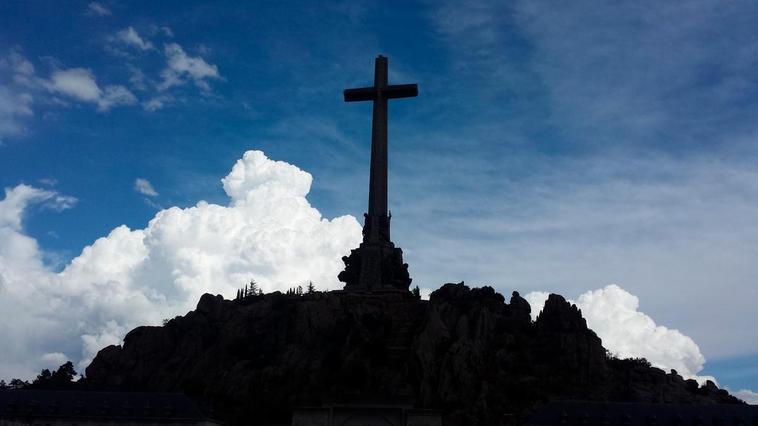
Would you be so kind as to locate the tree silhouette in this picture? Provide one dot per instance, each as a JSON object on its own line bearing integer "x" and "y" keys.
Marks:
{"x": 44, "y": 376}
{"x": 416, "y": 292}
{"x": 65, "y": 373}
{"x": 17, "y": 384}
{"x": 249, "y": 290}
{"x": 62, "y": 378}
{"x": 311, "y": 287}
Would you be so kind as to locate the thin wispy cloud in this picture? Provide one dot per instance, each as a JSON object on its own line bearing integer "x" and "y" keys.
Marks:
{"x": 747, "y": 395}
{"x": 130, "y": 37}
{"x": 596, "y": 144}
{"x": 16, "y": 99}
{"x": 652, "y": 226}
{"x": 97, "y": 9}
{"x": 157, "y": 102}
{"x": 25, "y": 86}
{"x": 80, "y": 84}
{"x": 14, "y": 108}
{"x": 137, "y": 78}
{"x": 144, "y": 187}
{"x": 48, "y": 181}
{"x": 181, "y": 67}
{"x": 646, "y": 73}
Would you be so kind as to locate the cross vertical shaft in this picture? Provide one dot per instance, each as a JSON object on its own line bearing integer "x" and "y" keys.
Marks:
{"x": 376, "y": 227}
{"x": 377, "y": 195}
{"x": 377, "y": 264}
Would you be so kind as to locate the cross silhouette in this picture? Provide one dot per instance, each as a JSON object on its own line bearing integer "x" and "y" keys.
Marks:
{"x": 376, "y": 227}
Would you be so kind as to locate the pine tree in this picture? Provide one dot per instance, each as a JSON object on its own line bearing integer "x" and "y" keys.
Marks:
{"x": 17, "y": 384}
{"x": 253, "y": 288}
{"x": 311, "y": 287}
{"x": 416, "y": 292}
{"x": 65, "y": 373}
{"x": 44, "y": 376}
{"x": 299, "y": 290}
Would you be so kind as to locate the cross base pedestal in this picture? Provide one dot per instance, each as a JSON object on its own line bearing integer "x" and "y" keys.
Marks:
{"x": 375, "y": 266}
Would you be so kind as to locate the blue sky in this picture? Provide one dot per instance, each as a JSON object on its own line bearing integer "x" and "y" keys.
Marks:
{"x": 552, "y": 147}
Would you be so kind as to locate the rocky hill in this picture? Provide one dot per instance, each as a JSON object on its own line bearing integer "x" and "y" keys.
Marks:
{"x": 465, "y": 351}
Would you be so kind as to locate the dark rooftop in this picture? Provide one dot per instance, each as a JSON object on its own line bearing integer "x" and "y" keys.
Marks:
{"x": 132, "y": 406}
{"x": 630, "y": 413}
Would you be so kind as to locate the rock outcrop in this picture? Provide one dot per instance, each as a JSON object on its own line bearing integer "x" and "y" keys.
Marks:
{"x": 465, "y": 351}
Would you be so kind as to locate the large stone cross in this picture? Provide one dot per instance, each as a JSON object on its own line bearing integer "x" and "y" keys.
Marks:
{"x": 376, "y": 226}
{"x": 377, "y": 264}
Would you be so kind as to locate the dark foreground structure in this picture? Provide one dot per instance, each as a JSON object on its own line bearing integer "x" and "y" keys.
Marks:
{"x": 466, "y": 353}
{"x": 377, "y": 265}
{"x": 365, "y": 415}
{"x": 642, "y": 414}
{"x": 44, "y": 407}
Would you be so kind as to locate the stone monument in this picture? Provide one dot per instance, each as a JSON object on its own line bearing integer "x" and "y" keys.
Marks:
{"x": 377, "y": 264}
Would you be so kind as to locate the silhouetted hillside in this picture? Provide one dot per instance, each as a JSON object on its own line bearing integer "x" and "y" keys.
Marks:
{"x": 465, "y": 351}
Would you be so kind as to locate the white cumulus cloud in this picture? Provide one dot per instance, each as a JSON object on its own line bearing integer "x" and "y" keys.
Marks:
{"x": 268, "y": 231}
{"x": 18, "y": 198}
{"x": 54, "y": 359}
{"x": 613, "y": 313}
{"x": 537, "y": 300}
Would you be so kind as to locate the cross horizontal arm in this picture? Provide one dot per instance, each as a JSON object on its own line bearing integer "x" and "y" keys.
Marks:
{"x": 361, "y": 94}
{"x": 401, "y": 91}
{"x": 390, "y": 92}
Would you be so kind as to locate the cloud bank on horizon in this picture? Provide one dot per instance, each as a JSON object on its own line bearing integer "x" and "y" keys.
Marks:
{"x": 613, "y": 314}
{"x": 268, "y": 232}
